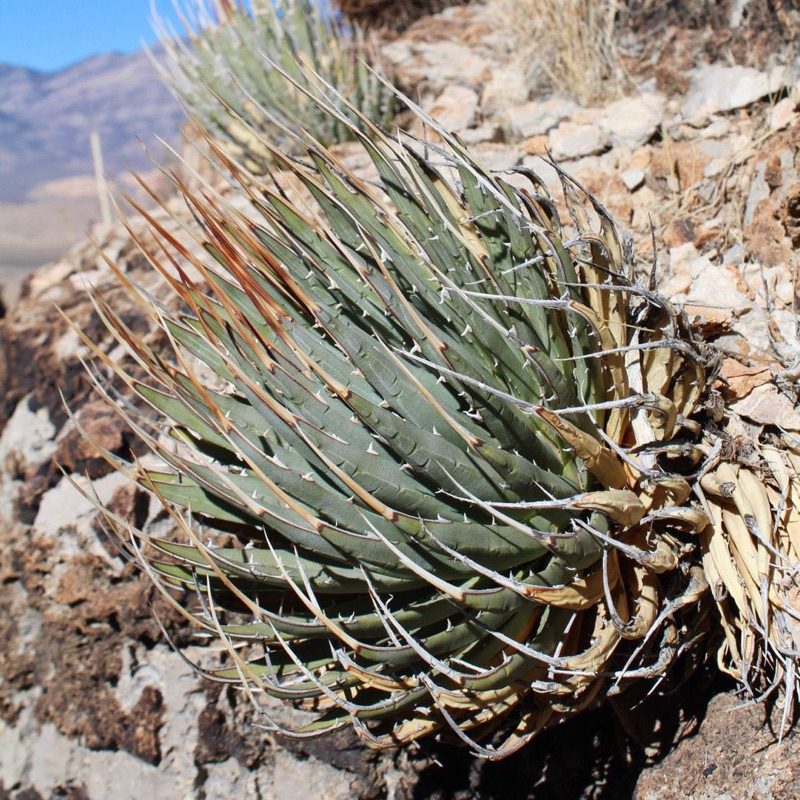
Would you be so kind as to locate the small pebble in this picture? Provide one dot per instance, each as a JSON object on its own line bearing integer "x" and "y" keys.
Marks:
{"x": 633, "y": 178}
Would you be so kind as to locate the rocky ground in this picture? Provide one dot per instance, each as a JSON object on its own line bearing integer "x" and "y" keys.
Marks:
{"x": 701, "y": 162}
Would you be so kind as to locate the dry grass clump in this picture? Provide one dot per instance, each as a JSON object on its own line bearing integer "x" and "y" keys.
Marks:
{"x": 571, "y": 45}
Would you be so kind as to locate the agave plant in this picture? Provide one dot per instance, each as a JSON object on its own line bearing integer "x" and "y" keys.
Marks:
{"x": 243, "y": 73}
{"x": 444, "y": 441}
{"x": 431, "y": 449}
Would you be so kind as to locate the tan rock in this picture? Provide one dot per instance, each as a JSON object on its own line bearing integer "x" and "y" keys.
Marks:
{"x": 536, "y": 145}
{"x": 506, "y": 89}
{"x": 766, "y": 406}
{"x": 632, "y": 121}
{"x": 455, "y": 108}
{"x": 742, "y": 379}
{"x": 783, "y": 114}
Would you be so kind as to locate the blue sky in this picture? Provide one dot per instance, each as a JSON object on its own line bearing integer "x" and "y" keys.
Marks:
{"x": 51, "y": 34}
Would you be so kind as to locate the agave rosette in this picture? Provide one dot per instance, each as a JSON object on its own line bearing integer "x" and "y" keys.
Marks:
{"x": 434, "y": 484}
{"x": 250, "y": 69}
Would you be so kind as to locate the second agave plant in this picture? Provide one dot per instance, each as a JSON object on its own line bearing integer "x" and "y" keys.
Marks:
{"x": 250, "y": 70}
{"x": 431, "y": 448}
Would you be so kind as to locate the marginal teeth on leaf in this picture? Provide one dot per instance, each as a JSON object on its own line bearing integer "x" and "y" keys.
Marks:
{"x": 277, "y": 462}
{"x": 308, "y": 477}
{"x": 371, "y": 449}
{"x": 435, "y": 432}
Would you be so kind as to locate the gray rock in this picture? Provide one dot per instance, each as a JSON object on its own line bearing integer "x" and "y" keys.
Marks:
{"x": 632, "y": 121}
{"x": 539, "y": 116}
{"x": 633, "y": 178}
{"x": 712, "y": 287}
{"x": 28, "y": 437}
{"x": 488, "y": 132}
{"x": 717, "y": 128}
{"x": 65, "y": 518}
{"x": 544, "y": 169}
{"x": 752, "y": 324}
{"x": 717, "y": 88}
{"x": 40, "y": 757}
{"x": 734, "y": 255}
{"x": 496, "y": 157}
{"x": 572, "y": 140}
{"x": 682, "y": 257}
{"x": 305, "y": 779}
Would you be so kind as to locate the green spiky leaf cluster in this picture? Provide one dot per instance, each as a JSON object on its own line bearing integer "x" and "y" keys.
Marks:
{"x": 244, "y": 74}
{"x": 433, "y": 483}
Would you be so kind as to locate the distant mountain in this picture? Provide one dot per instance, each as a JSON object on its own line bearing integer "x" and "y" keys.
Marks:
{"x": 46, "y": 119}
